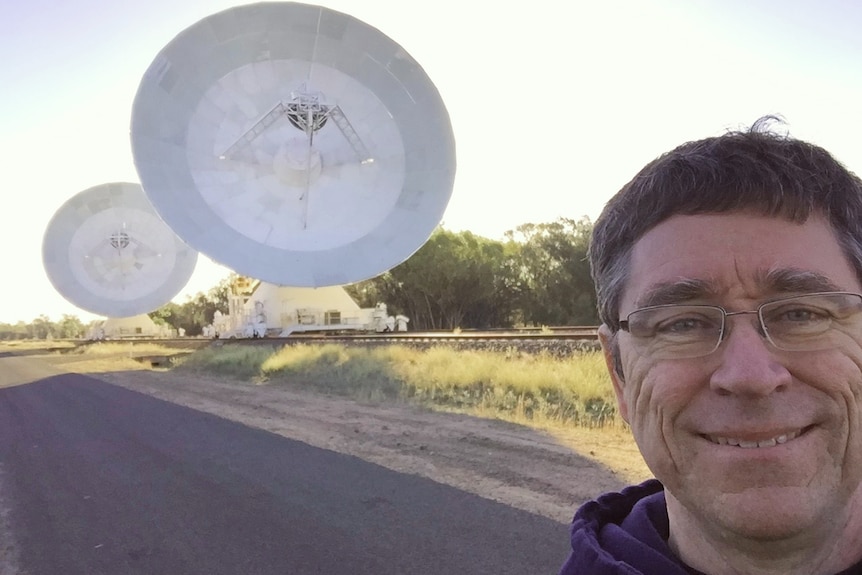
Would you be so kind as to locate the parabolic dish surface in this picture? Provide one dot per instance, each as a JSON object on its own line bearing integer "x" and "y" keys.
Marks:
{"x": 107, "y": 251}
{"x": 293, "y": 144}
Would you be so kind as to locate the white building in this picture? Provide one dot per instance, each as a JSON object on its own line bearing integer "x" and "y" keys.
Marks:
{"x": 128, "y": 327}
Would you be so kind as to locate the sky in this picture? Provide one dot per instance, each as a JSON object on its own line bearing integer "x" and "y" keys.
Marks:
{"x": 554, "y": 105}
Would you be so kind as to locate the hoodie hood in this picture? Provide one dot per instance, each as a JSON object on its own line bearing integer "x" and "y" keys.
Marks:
{"x": 623, "y": 533}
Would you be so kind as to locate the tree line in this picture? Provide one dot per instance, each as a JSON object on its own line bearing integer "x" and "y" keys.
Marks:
{"x": 537, "y": 275}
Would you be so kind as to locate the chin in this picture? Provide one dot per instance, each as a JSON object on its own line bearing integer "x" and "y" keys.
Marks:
{"x": 770, "y": 513}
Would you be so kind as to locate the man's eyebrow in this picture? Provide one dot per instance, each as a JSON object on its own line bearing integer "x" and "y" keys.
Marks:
{"x": 681, "y": 290}
{"x": 794, "y": 280}
{"x": 776, "y": 281}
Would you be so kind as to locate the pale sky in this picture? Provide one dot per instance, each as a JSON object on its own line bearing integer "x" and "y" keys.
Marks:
{"x": 554, "y": 104}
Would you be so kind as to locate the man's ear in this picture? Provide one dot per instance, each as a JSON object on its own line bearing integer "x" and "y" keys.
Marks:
{"x": 611, "y": 351}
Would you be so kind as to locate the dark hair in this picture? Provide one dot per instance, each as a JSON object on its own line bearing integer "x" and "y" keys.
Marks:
{"x": 756, "y": 170}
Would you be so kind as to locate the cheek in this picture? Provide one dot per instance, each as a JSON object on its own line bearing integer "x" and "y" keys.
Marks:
{"x": 656, "y": 394}
{"x": 653, "y": 388}
{"x": 837, "y": 376}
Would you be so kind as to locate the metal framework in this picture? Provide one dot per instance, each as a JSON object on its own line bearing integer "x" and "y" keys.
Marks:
{"x": 305, "y": 112}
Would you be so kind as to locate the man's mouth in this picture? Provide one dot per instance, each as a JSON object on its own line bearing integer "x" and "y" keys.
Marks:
{"x": 753, "y": 444}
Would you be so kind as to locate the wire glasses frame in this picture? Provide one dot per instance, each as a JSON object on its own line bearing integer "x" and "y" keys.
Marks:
{"x": 809, "y": 322}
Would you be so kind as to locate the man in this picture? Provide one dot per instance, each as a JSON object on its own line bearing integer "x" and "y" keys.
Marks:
{"x": 728, "y": 274}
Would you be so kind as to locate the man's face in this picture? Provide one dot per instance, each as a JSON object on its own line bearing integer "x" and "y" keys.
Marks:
{"x": 750, "y": 438}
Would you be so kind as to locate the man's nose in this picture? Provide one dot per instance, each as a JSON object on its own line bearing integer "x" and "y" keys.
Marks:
{"x": 747, "y": 363}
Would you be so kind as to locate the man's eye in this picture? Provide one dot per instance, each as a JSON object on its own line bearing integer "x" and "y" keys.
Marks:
{"x": 800, "y": 315}
{"x": 687, "y": 324}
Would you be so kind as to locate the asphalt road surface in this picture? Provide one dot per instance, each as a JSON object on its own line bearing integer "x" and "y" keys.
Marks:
{"x": 96, "y": 479}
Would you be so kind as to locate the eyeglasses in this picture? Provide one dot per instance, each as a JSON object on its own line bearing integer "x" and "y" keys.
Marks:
{"x": 810, "y": 322}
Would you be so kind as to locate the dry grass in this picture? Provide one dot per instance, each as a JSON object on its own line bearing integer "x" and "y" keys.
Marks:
{"x": 35, "y": 345}
{"x": 537, "y": 390}
{"x": 574, "y": 390}
{"x": 95, "y": 357}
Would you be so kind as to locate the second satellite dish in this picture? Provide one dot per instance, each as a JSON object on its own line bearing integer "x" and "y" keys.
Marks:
{"x": 106, "y": 251}
{"x": 293, "y": 144}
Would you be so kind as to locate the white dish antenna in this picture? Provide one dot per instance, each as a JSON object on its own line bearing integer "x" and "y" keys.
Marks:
{"x": 294, "y": 144}
{"x": 107, "y": 251}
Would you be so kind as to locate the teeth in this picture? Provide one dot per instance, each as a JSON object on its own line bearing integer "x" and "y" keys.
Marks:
{"x": 745, "y": 444}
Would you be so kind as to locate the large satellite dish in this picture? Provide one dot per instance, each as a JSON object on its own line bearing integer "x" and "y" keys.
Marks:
{"x": 294, "y": 144}
{"x": 107, "y": 251}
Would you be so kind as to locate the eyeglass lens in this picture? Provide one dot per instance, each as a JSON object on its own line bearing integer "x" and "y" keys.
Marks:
{"x": 802, "y": 323}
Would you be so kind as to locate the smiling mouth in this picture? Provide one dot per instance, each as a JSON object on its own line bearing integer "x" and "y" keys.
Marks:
{"x": 751, "y": 444}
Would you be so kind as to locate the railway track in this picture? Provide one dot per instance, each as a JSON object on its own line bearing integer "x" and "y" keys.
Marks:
{"x": 568, "y": 333}
{"x": 580, "y": 333}
{"x": 557, "y": 341}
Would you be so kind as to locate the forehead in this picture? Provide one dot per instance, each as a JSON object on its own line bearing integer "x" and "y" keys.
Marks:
{"x": 736, "y": 255}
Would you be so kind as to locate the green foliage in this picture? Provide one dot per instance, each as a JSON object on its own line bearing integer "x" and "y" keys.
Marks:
{"x": 69, "y": 327}
{"x": 555, "y": 283}
{"x": 539, "y": 276}
{"x": 198, "y": 310}
{"x": 17, "y": 331}
{"x": 453, "y": 280}
{"x": 237, "y": 361}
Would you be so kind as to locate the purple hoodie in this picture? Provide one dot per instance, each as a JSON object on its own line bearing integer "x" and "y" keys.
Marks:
{"x": 626, "y": 534}
{"x": 623, "y": 534}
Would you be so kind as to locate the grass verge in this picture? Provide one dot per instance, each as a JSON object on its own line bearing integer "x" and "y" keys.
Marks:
{"x": 520, "y": 387}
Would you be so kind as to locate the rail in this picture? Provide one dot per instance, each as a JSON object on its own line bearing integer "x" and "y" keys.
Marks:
{"x": 547, "y": 334}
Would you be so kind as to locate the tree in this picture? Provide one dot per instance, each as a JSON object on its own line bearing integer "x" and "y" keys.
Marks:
{"x": 220, "y": 294}
{"x": 169, "y": 314}
{"x": 17, "y": 331}
{"x": 555, "y": 283}
{"x": 70, "y": 327}
{"x": 453, "y": 280}
{"x": 41, "y": 328}
{"x": 197, "y": 311}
